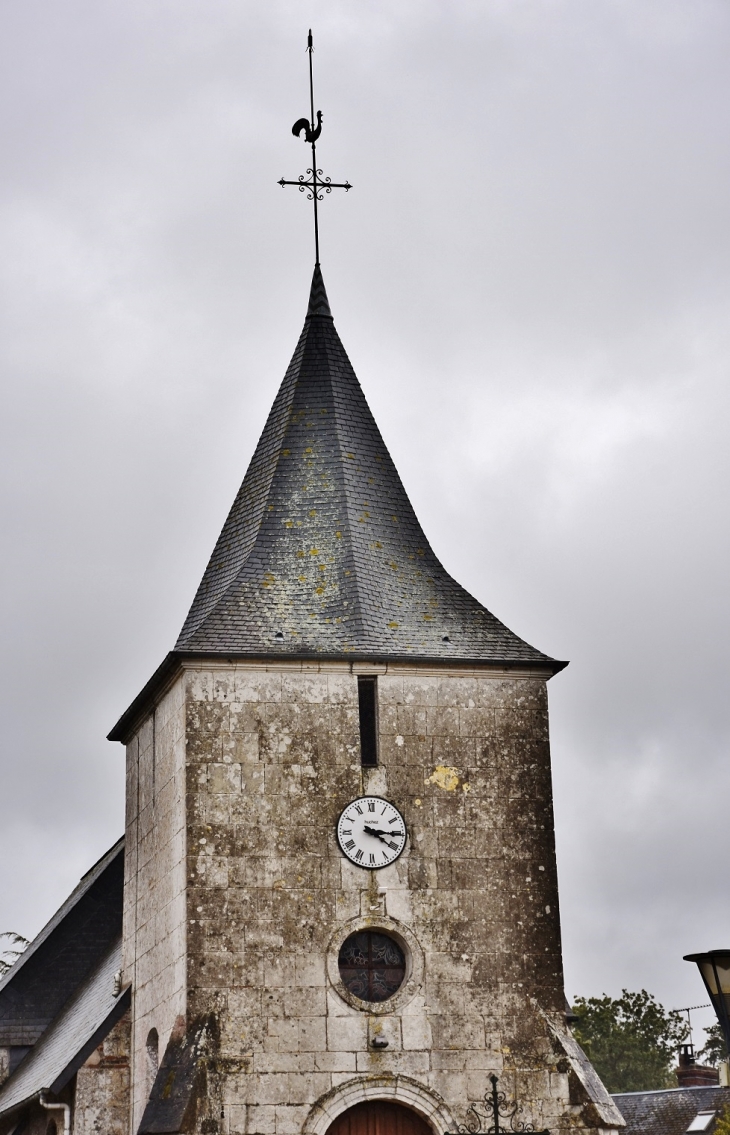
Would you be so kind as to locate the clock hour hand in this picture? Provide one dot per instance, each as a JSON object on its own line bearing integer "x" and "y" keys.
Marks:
{"x": 380, "y": 835}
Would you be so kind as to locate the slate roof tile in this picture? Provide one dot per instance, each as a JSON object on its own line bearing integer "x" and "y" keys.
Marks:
{"x": 322, "y": 553}
{"x": 668, "y": 1112}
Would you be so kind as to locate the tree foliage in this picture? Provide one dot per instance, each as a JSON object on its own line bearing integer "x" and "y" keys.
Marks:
{"x": 722, "y": 1123}
{"x": 714, "y": 1049}
{"x": 11, "y": 953}
{"x": 631, "y": 1040}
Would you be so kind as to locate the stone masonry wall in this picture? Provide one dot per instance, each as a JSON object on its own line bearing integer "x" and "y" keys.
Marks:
{"x": 101, "y": 1098}
{"x": 272, "y": 758}
{"x": 154, "y": 882}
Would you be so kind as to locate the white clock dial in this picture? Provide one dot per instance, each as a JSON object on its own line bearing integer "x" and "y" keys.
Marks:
{"x": 371, "y": 832}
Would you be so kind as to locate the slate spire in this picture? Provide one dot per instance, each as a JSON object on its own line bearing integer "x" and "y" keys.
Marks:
{"x": 322, "y": 553}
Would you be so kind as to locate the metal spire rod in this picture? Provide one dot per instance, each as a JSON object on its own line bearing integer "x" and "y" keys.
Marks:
{"x": 316, "y": 184}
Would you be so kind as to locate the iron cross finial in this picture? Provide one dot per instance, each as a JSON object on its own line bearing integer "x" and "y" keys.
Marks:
{"x": 313, "y": 181}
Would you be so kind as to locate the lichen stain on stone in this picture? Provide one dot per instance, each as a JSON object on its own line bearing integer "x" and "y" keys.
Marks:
{"x": 444, "y": 776}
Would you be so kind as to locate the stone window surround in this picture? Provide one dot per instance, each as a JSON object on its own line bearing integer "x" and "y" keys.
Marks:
{"x": 408, "y": 943}
{"x": 394, "y": 1089}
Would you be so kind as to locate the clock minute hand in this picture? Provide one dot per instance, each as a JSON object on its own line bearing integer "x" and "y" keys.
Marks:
{"x": 374, "y": 831}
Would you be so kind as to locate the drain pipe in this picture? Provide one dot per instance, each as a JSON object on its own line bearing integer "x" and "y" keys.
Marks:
{"x": 58, "y": 1107}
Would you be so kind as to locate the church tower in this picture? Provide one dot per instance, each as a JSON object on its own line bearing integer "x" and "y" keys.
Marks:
{"x": 341, "y": 900}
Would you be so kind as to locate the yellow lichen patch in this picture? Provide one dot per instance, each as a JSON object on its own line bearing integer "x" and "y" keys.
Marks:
{"x": 300, "y": 555}
{"x": 323, "y": 567}
{"x": 319, "y": 590}
{"x": 378, "y": 544}
{"x": 312, "y": 512}
{"x": 302, "y": 579}
{"x": 427, "y": 618}
{"x": 338, "y": 535}
{"x": 444, "y": 776}
{"x": 392, "y": 624}
{"x": 466, "y": 787}
{"x": 314, "y": 551}
{"x": 394, "y": 519}
{"x": 350, "y": 456}
{"x": 419, "y": 551}
{"x": 309, "y": 449}
{"x": 267, "y": 580}
{"x": 394, "y": 565}
{"x": 289, "y": 523}
{"x": 418, "y": 802}
{"x": 285, "y": 452}
{"x": 323, "y": 411}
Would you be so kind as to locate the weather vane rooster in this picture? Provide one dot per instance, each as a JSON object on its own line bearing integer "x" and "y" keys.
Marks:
{"x": 313, "y": 183}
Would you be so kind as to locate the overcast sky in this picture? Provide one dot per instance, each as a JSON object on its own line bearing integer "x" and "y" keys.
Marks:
{"x": 531, "y": 276}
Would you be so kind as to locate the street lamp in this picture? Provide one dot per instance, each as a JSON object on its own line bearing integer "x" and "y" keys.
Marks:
{"x": 714, "y": 966}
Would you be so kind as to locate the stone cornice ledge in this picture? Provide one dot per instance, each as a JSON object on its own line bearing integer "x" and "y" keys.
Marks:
{"x": 177, "y": 661}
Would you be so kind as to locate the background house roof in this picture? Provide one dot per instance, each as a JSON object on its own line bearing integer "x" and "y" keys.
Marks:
{"x": 71, "y": 1037}
{"x": 65, "y": 951}
{"x": 669, "y": 1112}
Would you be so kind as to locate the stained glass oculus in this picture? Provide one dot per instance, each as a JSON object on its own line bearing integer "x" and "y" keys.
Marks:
{"x": 372, "y": 965}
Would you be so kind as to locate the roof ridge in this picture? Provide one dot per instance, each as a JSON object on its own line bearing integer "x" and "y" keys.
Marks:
{"x": 192, "y": 623}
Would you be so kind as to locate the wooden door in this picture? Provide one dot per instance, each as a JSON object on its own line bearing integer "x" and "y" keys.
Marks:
{"x": 379, "y": 1117}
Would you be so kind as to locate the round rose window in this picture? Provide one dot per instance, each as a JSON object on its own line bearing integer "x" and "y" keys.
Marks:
{"x": 372, "y": 965}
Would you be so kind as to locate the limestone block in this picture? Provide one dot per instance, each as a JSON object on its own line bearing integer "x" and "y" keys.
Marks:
{"x": 347, "y": 1034}
{"x": 224, "y": 777}
{"x": 416, "y": 1031}
{"x": 335, "y": 1062}
{"x": 290, "y": 1120}
{"x": 372, "y": 1063}
{"x": 260, "y": 1120}
{"x": 382, "y": 1028}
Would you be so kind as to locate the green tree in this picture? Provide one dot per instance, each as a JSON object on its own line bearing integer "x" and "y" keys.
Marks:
{"x": 714, "y": 1049}
{"x": 631, "y": 1040}
{"x": 11, "y": 953}
{"x": 722, "y": 1123}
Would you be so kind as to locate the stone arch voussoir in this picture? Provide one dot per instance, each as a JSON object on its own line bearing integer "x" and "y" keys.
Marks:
{"x": 397, "y": 1089}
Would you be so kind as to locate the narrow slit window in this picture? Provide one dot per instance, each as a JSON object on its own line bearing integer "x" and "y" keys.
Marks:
{"x": 367, "y": 692}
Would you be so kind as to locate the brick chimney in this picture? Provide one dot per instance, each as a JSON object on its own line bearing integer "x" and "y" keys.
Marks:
{"x": 692, "y": 1075}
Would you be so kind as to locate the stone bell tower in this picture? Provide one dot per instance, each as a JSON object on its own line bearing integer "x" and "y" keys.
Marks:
{"x": 341, "y": 901}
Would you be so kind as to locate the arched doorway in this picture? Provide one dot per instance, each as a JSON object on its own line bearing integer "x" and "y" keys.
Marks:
{"x": 379, "y": 1117}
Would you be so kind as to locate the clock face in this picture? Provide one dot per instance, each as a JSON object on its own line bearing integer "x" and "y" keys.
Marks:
{"x": 371, "y": 832}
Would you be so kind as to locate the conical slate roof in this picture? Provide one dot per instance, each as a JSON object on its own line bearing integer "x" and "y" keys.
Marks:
{"x": 322, "y": 553}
